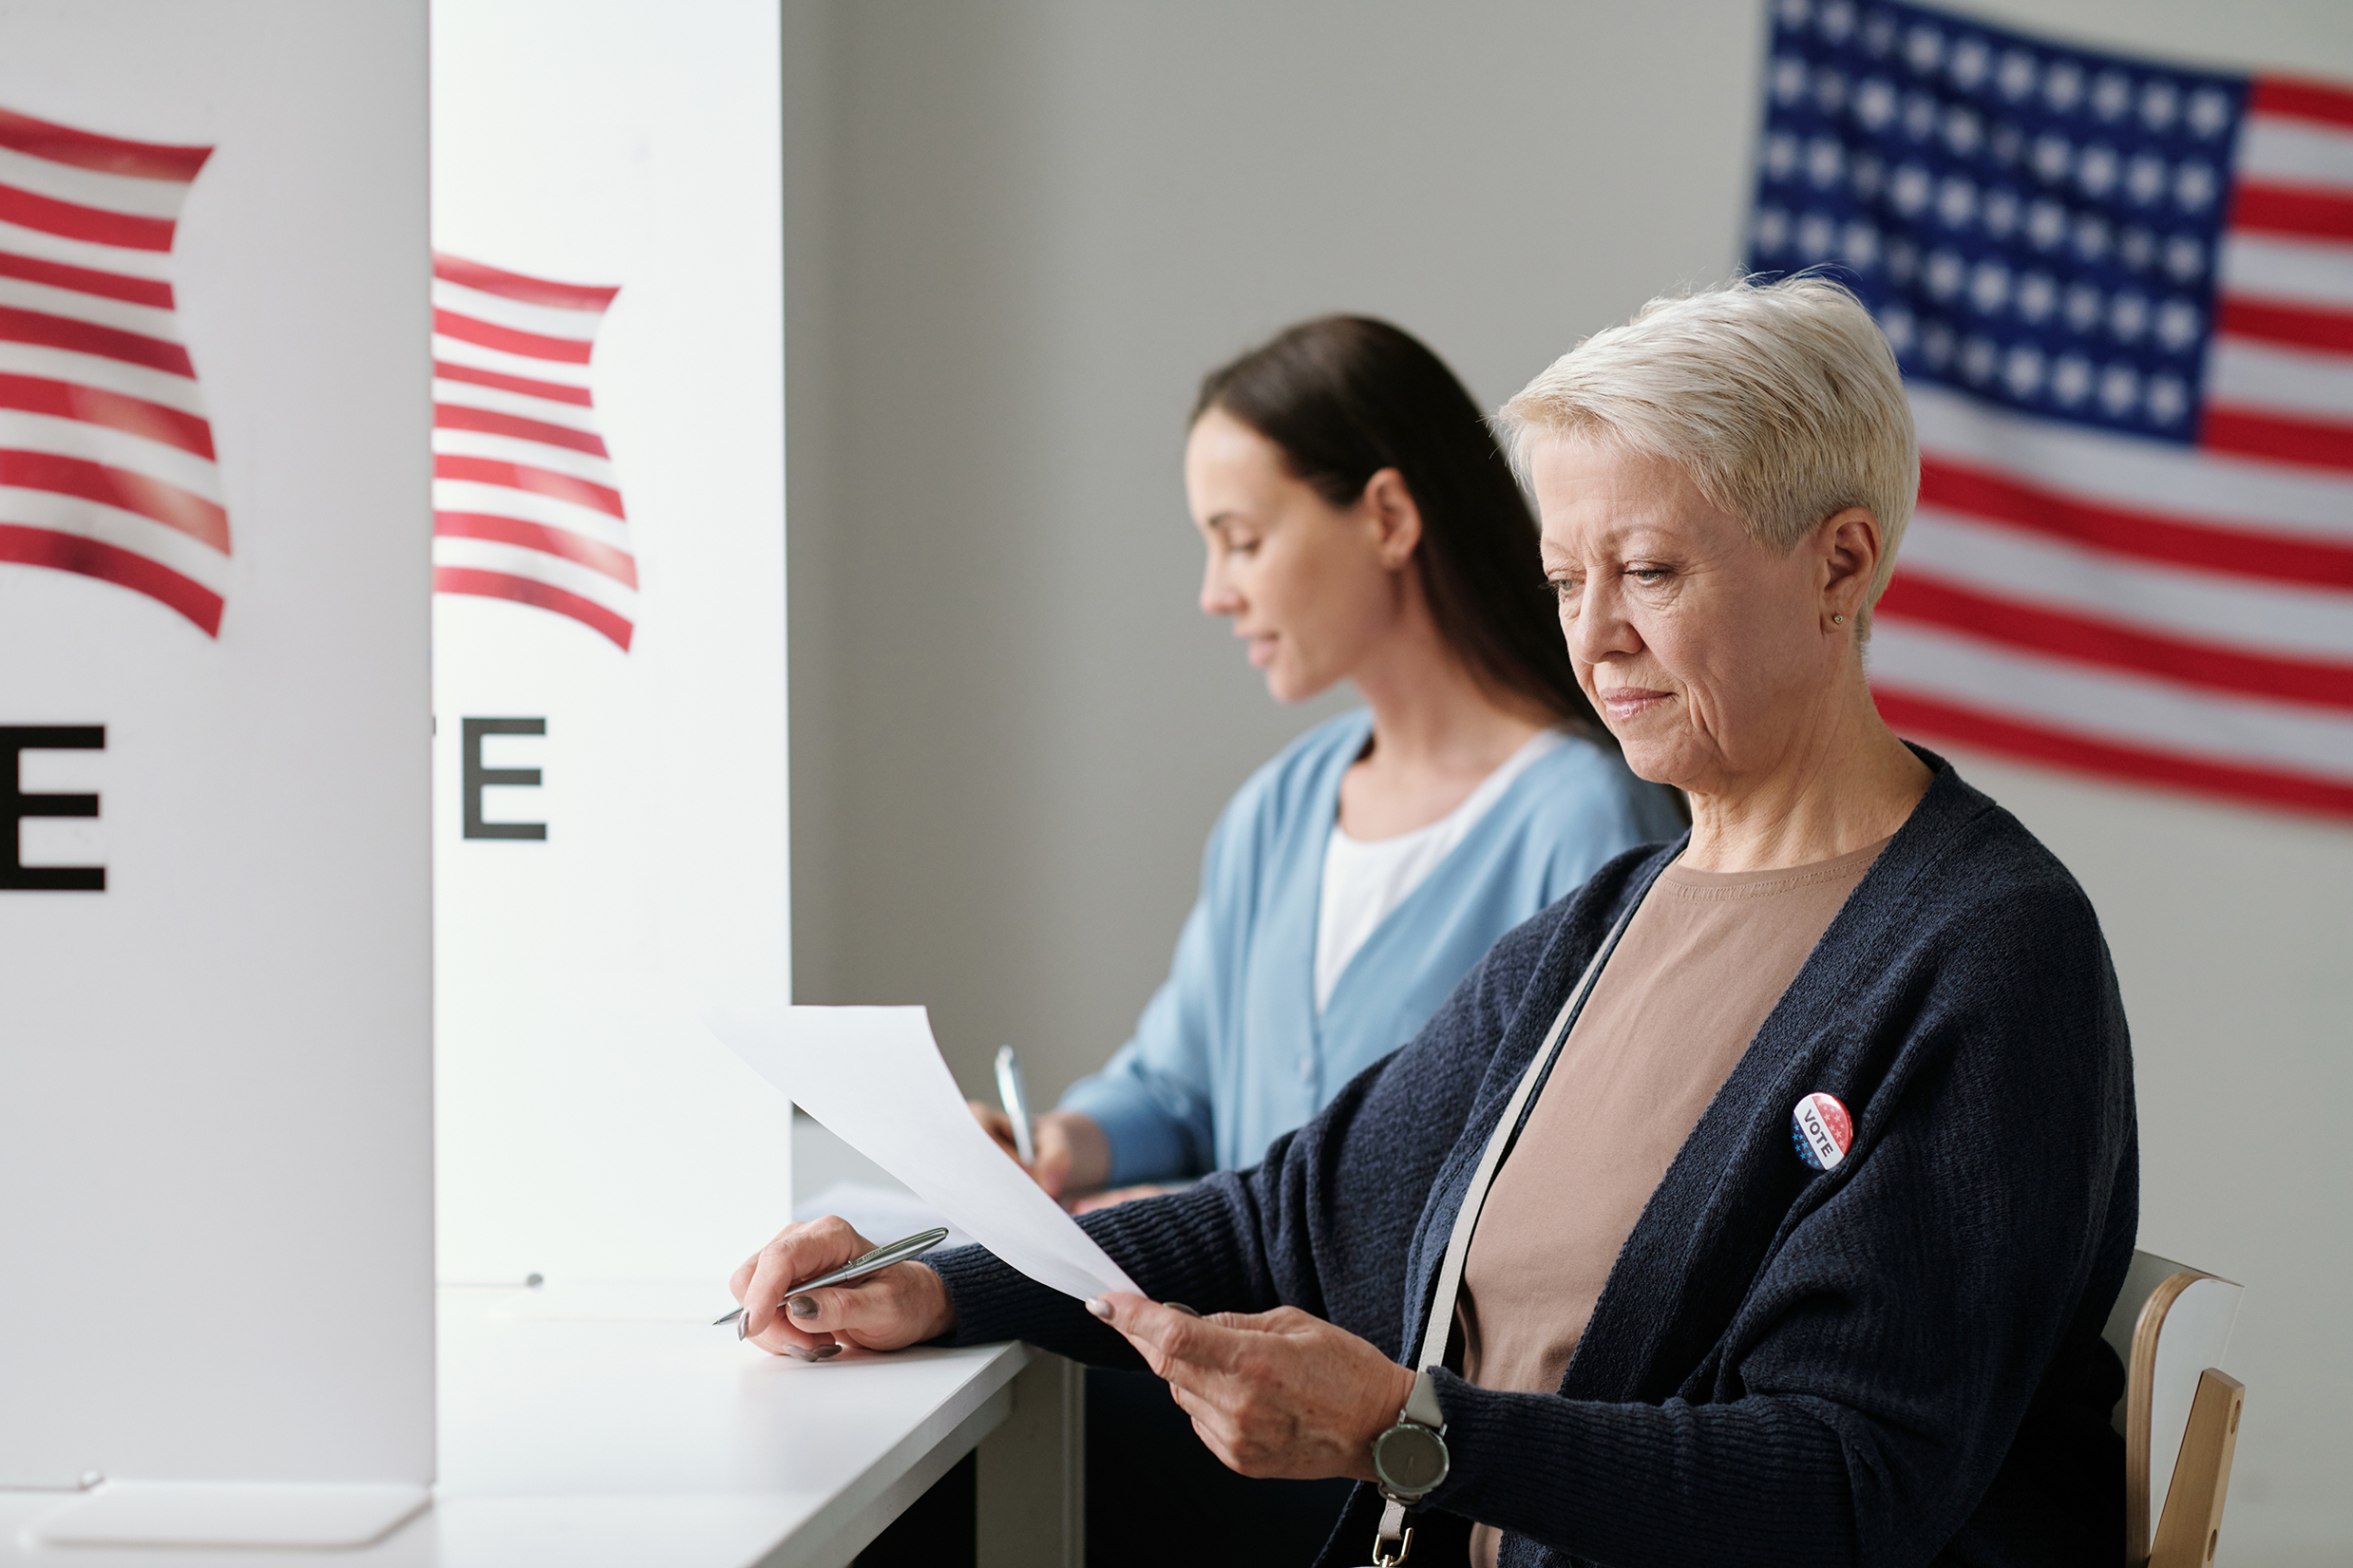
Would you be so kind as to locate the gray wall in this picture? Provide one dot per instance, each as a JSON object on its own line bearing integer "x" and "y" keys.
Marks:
{"x": 1016, "y": 234}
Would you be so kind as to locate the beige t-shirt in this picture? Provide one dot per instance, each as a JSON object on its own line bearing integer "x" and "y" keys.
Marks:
{"x": 1700, "y": 965}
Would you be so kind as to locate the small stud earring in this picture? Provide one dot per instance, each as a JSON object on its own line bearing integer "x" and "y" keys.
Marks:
{"x": 1838, "y": 620}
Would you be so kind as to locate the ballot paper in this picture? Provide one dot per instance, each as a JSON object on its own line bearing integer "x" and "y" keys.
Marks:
{"x": 874, "y": 1076}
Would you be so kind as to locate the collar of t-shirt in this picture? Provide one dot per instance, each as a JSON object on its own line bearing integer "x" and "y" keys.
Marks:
{"x": 1365, "y": 880}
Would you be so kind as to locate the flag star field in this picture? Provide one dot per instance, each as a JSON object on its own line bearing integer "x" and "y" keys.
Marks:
{"x": 2121, "y": 294}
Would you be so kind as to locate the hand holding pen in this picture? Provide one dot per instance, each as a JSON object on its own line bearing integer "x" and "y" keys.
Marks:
{"x": 807, "y": 1265}
{"x": 1063, "y": 1151}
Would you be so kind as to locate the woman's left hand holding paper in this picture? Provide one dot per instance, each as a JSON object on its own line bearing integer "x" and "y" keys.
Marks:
{"x": 1280, "y": 1394}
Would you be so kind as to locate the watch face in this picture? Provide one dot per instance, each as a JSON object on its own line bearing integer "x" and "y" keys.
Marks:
{"x": 1409, "y": 1460}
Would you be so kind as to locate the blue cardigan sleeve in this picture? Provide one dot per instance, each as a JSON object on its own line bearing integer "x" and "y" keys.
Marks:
{"x": 1152, "y": 1099}
{"x": 1155, "y": 1097}
{"x": 1158, "y": 1099}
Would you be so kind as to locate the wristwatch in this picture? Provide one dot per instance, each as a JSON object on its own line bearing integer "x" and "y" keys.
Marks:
{"x": 1411, "y": 1457}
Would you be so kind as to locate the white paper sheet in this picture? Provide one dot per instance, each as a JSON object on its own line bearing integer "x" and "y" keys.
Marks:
{"x": 874, "y": 1077}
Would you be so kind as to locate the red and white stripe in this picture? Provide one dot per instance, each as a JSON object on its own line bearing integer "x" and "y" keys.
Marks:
{"x": 106, "y": 460}
{"x": 2129, "y": 608}
{"x": 526, "y": 506}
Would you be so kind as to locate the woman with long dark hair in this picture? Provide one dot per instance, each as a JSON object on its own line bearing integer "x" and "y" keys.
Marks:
{"x": 1361, "y": 525}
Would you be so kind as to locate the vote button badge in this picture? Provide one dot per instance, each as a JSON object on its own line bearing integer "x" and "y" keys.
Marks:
{"x": 1822, "y": 1130}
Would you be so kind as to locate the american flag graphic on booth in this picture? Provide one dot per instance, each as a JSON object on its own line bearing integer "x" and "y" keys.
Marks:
{"x": 525, "y": 502}
{"x": 106, "y": 461}
{"x": 2121, "y": 293}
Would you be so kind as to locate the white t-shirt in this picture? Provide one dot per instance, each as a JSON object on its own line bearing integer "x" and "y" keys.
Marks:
{"x": 1365, "y": 880}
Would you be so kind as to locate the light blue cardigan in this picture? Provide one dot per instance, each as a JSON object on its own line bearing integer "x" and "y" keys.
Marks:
{"x": 1230, "y": 1053}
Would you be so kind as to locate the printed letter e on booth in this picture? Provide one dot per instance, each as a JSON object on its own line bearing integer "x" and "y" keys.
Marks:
{"x": 479, "y": 778}
{"x": 16, "y": 807}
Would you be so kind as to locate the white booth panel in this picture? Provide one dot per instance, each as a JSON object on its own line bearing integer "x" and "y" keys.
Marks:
{"x": 610, "y": 841}
{"x": 215, "y": 1006}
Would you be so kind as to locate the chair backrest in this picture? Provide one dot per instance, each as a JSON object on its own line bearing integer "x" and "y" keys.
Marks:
{"x": 2170, "y": 1327}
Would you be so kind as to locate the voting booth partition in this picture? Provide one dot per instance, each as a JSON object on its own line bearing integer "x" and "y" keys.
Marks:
{"x": 382, "y": 591}
{"x": 608, "y": 626}
{"x": 215, "y": 1045}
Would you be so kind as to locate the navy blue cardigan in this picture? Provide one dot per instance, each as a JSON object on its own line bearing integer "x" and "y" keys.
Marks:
{"x": 1896, "y": 1362}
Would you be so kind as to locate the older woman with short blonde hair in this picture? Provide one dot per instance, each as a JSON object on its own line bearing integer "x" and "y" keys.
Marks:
{"x": 1760, "y": 1202}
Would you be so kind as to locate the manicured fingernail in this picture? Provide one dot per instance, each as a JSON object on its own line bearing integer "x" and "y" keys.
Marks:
{"x": 812, "y": 1352}
{"x": 1180, "y": 1307}
{"x": 803, "y": 1306}
{"x": 743, "y": 1325}
{"x": 1101, "y": 1307}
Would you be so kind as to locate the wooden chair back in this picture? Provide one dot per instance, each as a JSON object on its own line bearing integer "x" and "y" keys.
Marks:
{"x": 2181, "y": 1411}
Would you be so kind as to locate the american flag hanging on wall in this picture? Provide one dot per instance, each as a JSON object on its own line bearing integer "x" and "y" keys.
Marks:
{"x": 106, "y": 463}
{"x": 525, "y": 504}
{"x": 2122, "y": 295}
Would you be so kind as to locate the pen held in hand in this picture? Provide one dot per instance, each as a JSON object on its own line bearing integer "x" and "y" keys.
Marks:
{"x": 856, "y": 1267}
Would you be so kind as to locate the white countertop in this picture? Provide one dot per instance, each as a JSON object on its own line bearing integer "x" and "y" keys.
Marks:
{"x": 611, "y": 1427}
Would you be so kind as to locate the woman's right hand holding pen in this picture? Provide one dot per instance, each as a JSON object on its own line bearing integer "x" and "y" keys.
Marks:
{"x": 1074, "y": 1156}
{"x": 902, "y": 1305}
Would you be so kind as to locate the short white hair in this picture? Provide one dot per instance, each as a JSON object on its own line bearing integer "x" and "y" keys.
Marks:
{"x": 1782, "y": 401}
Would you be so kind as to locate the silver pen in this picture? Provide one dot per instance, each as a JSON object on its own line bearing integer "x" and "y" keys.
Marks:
{"x": 1013, "y": 1092}
{"x": 856, "y": 1267}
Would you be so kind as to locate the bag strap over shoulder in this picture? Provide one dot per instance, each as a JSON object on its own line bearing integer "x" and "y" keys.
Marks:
{"x": 1389, "y": 1546}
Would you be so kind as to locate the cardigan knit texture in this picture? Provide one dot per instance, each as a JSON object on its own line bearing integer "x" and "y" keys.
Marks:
{"x": 1895, "y": 1362}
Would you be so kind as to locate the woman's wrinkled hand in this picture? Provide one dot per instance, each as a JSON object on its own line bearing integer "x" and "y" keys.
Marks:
{"x": 1072, "y": 1154}
{"x": 901, "y": 1305}
{"x": 1280, "y": 1394}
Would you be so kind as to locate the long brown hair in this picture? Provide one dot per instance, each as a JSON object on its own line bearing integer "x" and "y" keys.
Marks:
{"x": 1345, "y": 396}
